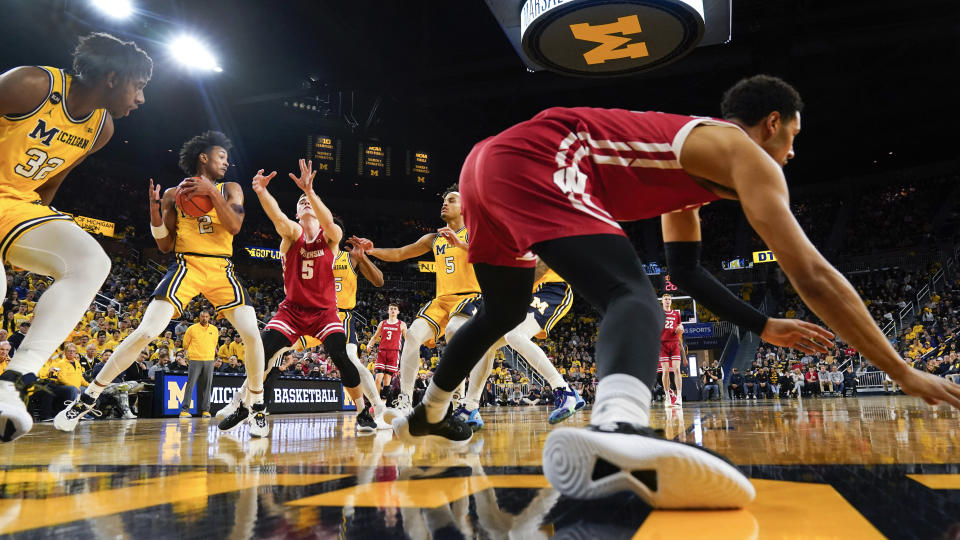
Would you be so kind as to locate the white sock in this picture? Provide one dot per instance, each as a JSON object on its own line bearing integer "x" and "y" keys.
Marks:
{"x": 621, "y": 398}
{"x": 244, "y": 320}
{"x": 436, "y": 401}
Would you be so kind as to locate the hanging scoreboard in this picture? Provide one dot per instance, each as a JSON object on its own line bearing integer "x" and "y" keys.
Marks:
{"x": 373, "y": 160}
{"x": 326, "y": 153}
{"x": 418, "y": 165}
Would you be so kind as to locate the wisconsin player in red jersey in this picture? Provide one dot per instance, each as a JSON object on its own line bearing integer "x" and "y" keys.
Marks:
{"x": 308, "y": 248}
{"x": 389, "y": 333}
{"x": 557, "y": 186}
{"x": 671, "y": 353}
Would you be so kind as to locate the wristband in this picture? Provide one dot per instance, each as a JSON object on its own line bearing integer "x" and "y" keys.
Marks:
{"x": 683, "y": 261}
{"x": 160, "y": 231}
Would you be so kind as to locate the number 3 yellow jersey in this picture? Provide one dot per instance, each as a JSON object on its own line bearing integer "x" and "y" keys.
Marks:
{"x": 36, "y": 145}
{"x": 345, "y": 281}
{"x": 454, "y": 274}
{"x": 204, "y": 235}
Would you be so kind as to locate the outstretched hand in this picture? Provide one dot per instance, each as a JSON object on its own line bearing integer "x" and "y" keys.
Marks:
{"x": 931, "y": 388}
{"x": 796, "y": 334}
{"x": 363, "y": 243}
{"x": 260, "y": 181}
{"x": 307, "y": 174}
{"x": 154, "y": 195}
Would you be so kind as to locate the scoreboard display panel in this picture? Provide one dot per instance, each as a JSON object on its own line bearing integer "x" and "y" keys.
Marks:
{"x": 418, "y": 165}
{"x": 326, "y": 152}
{"x": 373, "y": 160}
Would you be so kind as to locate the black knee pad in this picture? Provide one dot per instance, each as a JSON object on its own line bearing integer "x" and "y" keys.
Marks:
{"x": 336, "y": 347}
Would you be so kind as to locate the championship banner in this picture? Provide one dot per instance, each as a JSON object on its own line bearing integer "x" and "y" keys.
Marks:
{"x": 94, "y": 226}
{"x": 262, "y": 252}
{"x": 763, "y": 257}
{"x": 427, "y": 266}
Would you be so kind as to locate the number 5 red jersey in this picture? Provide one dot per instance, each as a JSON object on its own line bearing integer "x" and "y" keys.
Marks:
{"x": 308, "y": 273}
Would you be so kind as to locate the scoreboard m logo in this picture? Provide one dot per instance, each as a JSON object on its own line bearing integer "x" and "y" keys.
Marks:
{"x": 611, "y": 46}
{"x": 41, "y": 134}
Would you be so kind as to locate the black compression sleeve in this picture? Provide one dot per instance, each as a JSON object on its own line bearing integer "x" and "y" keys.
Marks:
{"x": 683, "y": 261}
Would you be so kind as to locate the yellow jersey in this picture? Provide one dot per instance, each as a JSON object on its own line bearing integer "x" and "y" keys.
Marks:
{"x": 204, "y": 235}
{"x": 454, "y": 274}
{"x": 549, "y": 277}
{"x": 36, "y": 145}
{"x": 345, "y": 281}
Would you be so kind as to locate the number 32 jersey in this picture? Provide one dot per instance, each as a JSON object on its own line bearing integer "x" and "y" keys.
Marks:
{"x": 308, "y": 274}
{"x": 37, "y": 145}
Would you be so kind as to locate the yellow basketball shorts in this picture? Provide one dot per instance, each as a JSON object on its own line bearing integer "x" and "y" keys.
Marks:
{"x": 18, "y": 216}
{"x": 211, "y": 276}
{"x": 438, "y": 311}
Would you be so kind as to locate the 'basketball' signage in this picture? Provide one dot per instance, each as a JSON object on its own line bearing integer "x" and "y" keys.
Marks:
{"x": 609, "y": 38}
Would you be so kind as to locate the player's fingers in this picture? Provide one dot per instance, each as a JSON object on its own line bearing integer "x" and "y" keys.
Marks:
{"x": 295, "y": 178}
{"x": 271, "y": 175}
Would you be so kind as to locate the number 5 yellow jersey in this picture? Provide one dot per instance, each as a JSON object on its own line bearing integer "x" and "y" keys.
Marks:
{"x": 454, "y": 274}
{"x": 204, "y": 235}
{"x": 345, "y": 281}
{"x": 36, "y": 145}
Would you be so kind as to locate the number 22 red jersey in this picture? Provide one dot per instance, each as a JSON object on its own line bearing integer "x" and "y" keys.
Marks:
{"x": 308, "y": 273}
{"x": 670, "y": 323}
{"x": 390, "y": 334}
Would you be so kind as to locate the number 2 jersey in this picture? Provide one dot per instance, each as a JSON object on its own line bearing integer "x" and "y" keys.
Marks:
{"x": 671, "y": 321}
{"x": 308, "y": 274}
{"x": 204, "y": 235}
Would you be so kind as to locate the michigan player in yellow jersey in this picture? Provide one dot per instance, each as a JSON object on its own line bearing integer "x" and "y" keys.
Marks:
{"x": 50, "y": 121}
{"x": 552, "y": 298}
{"x": 202, "y": 248}
{"x": 458, "y": 293}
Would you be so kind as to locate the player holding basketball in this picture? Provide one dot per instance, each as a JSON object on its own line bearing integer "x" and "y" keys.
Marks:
{"x": 557, "y": 185}
{"x": 389, "y": 333}
{"x": 50, "y": 122}
{"x": 202, "y": 247}
{"x": 552, "y": 298}
{"x": 670, "y": 353}
{"x": 308, "y": 247}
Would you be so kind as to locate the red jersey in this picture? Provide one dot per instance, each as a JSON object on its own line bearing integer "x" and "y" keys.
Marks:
{"x": 390, "y": 334}
{"x": 632, "y": 159}
{"x": 308, "y": 274}
{"x": 670, "y": 323}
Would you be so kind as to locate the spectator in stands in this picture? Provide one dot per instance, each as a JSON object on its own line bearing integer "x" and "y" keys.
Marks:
{"x": 850, "y": 380}
{"x": 811, "y": 381}
{"x": 162, "y": 366}
{"x": 4, "y": 355}
{"x": 735, "y": 388}
{"x": 63, "y": 380}
{"x": 88, "y": 360}
{"x": 799, "y": 381}
{"x": 750, "y": 384}
{"x": 836, "y": 380}
{"x": 711, "y": 381}
{"x": 181, "y": 328}
{"x": 17, "y": 337}
{"x": 823, "y": 377}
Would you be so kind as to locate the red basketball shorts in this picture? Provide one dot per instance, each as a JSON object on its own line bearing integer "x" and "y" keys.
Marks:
{"x": 294, "y": 321}
{"x": 669, "y": 355}
{"x": 388, "y": 361}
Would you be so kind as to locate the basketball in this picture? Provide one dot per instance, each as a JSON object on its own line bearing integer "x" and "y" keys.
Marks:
{"x": 195, "y": 205}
